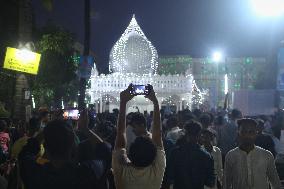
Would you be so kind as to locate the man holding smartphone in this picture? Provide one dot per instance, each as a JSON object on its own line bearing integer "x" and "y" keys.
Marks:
{"x": 145, "y": 164}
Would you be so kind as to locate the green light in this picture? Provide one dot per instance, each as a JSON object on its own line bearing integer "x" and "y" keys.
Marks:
{"x": 248, "y": 60}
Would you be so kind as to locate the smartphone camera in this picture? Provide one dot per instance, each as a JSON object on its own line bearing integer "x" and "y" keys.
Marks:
{"x": 71, "y": 114}
{"x": 140, "y": 90}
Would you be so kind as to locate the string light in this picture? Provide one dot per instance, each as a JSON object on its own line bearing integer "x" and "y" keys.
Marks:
{"x": 134, "y": 59}
{"x": 133, "y": 52}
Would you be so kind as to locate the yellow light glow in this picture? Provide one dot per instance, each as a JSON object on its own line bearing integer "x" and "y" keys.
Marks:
{"x": 25, "y": 56}
{"x": 22, "y": 60}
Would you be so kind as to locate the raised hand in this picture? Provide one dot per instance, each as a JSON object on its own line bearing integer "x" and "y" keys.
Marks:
{"x": 126, "y": 95}
{"x": 83, "y": 121}
{"x": 152, "y": 95}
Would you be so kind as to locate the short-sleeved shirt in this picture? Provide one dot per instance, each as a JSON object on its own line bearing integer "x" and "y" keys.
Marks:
{"x": 128, "y": 177}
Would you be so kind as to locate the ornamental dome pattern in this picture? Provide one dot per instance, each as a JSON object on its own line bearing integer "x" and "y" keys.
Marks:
{"x": 133, "y": 52}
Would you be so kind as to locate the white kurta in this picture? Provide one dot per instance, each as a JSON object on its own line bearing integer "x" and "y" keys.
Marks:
{"x": 254, "y": 170}
{"x": 218, "y": 165}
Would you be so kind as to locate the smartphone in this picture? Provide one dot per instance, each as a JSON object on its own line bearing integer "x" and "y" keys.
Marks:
{"x": 140, "y": 90}
{"x": 71, "y": 114}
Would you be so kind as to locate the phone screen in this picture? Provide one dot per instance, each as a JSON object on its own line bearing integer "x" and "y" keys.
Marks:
{"x": 139, "y": 89}
{"x": 71, "y": 114}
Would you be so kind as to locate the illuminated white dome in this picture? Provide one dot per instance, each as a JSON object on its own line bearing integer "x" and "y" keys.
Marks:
{"x": 133, "y": 52}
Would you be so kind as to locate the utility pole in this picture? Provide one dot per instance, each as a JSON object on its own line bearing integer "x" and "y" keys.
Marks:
{"x": 25, "y": 35}
{"x": 83, "y": 81}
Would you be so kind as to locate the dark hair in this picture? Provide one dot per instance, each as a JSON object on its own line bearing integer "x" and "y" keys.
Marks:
{"x": 197, "y": 112}
{"x": 59, "y": 139}
{"x": 138, "y": 118}
{"x": 43, "y": 114}
{"x": 219, "y": 120}
{"x": 142, "y": 152}
{"x": 129, "y": 118}
{"x": 205, "y": 120}
{"x": 192, "y": 128}
{"x": 3, "y": 125}
{"x": 172, "y": 122}
{"x": 212, "y": 117}
{"x": 208, "y": 132}
{"x": 248, "y": 121}
{"x": 188, "y": 116}
{"x": 260, "y": 124}
{"x": 34, "y": 125}
{"x": 105, "y": 129}
{"x": 236, "y": 114}
{"x": 111, "y": 118}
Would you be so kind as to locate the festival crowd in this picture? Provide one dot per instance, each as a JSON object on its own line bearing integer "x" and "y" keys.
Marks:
{"x": 156, "y": 150}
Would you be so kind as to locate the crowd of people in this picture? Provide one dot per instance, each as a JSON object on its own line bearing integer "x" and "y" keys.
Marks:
{"x": 156, "y": 150}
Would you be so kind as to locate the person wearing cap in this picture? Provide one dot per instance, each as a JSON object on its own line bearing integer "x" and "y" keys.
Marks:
{"x": 249, "y": 166}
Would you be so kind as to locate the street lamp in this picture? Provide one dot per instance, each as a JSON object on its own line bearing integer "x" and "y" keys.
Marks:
{"x": 268, "y": 8}
{"x": 217, "y": 56}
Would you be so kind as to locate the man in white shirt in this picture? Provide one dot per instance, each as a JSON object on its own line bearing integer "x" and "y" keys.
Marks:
{"x": 144, "y": 166}
{"x": 249, "y": 166}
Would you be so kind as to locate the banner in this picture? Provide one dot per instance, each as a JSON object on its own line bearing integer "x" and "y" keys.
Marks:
{"x": 21, "y": 60}
{"x": 280, "y": 68}
{"x": 85, "y": 66}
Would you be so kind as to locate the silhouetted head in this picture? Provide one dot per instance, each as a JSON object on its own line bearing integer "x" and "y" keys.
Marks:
{"x": 247, "y": 131}
{"x": 43, "y": 115}
{"x": 172, "y": 122}
{"x": 34, "y": 126}
{"x": 236, "y": 114}
{"x": 197, "y": 113}
{"x": 192, "y": 130}
{"x": 260, "y": 126}
{"x": 142, "y": 152}
{"x": 205, "y": 120}
{"x": 206, "y": 137}
{"x": 59, "y": 140}
{"x": 138, "y": 123}
{"x": 3, "y": 125}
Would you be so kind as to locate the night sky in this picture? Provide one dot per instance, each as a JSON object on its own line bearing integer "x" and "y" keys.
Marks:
{"x": 175, "y": 27}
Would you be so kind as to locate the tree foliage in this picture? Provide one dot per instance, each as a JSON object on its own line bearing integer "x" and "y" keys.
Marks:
{"x": 48, "y": 4}
{"x": 56, "y": 78}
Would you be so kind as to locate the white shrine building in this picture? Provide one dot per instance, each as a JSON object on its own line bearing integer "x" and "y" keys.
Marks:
{"x": 133, "y": 59}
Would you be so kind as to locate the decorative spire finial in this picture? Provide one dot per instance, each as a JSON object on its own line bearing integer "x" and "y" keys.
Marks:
{"x": 133, "y": 52}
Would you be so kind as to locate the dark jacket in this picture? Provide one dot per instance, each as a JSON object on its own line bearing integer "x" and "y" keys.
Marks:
{"x": 190, "y": 167}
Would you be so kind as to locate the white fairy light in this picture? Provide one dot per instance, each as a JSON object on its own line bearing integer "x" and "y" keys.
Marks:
{"x": 133, "y": 52}
{"x": 134, "y": 59}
